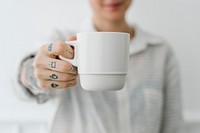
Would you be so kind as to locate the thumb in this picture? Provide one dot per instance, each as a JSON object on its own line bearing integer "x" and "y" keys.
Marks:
{"x": 72, "y": 38}
{"x": 69, "y": 48}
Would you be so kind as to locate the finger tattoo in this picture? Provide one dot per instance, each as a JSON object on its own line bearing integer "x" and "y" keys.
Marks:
{"x": 54, "y": 85}
{"x": 52, "y": 64}
{"x": 70, "y": 84}
{"x": 54, "y": 76}
{"x": 68, "y": 51}
{"x": 72, "y": 68}
{"x": 50, "y": 47}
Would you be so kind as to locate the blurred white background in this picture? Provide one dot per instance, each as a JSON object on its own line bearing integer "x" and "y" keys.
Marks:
{"x": 22, "y": 23}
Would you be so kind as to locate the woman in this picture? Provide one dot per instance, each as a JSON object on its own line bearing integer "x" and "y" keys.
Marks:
{"x": 150, "y": 101}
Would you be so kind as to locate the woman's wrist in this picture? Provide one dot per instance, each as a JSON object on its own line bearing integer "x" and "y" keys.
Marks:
{"x": 28, "y": 79}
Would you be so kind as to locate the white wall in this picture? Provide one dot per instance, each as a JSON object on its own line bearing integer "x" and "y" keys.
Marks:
{"x": 23, "y": 22}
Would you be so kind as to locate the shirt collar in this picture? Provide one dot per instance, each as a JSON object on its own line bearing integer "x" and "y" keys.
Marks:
{"x": 138, "y": 44}
{"x": 142, "y": 40}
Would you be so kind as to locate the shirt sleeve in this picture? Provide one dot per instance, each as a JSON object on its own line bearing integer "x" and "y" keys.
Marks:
{"x": 172, "y": 121}
{"x": 32, "y": 92}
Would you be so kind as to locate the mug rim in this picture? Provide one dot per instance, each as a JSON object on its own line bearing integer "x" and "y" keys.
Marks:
{"x": 104, "y": 32}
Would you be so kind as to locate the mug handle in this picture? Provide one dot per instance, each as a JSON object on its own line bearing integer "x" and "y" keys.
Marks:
{"x": 74, "y": 60}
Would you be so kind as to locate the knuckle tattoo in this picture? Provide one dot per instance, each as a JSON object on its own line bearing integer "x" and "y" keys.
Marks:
{"x": 50, "y": 47}
{"x": 72, "y": 68}
{"x": 53, "y": 76}
{"x": 54, "y": 85}
{"x": 52, "y": 64}
{"x": 69, "y": 84}
{"x": 68, "y": 51}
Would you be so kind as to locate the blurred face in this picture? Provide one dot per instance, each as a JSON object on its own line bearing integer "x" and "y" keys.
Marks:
{"x": 112, "y": 10}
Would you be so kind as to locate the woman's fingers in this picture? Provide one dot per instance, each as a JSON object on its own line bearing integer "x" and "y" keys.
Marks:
{"x": 52, "y": 72}
{"x": 54, "y": 65}
{"x": 50, "y": 79}
{"x": 53, "y": 75}
{"x": 58, "y": 48}
{"x": 49, "y": 85}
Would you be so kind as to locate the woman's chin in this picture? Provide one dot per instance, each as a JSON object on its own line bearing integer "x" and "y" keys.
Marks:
{"x": 114, "y": 17}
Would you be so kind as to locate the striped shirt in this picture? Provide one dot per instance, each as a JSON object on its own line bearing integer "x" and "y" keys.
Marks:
{"x": 149, "y": 103}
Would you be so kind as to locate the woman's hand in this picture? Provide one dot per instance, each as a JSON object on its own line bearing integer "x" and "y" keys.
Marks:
{"x": 52, "y": 72}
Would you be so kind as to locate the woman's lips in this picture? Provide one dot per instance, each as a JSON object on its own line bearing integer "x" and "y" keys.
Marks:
{"x": 112, "y": 6}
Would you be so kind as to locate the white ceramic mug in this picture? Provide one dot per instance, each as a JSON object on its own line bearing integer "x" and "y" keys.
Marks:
{"x": 102, "y": 59}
